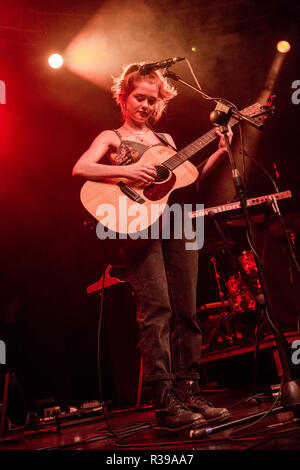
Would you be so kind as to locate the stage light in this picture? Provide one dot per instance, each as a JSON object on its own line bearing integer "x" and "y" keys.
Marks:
{"x": 252, "y": 136}
{"x": 55, "y": 61}
{"x": 283, "y": 47}
{"x": 194, "y": 49}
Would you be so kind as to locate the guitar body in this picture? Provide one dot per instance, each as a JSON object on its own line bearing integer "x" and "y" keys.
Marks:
{"x": 126, "y": 212}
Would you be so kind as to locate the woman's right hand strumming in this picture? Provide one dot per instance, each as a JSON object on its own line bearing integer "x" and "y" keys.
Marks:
{"x": 141, "y": 172}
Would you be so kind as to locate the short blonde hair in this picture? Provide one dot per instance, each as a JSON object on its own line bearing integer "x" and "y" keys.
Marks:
{"x": 126, "y": 82}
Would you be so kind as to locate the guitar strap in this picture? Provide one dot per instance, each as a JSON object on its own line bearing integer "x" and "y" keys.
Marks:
{"x": 164, "y": 140}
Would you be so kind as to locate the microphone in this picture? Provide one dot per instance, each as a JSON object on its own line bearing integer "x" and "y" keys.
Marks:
{"x": 163, "y": 64}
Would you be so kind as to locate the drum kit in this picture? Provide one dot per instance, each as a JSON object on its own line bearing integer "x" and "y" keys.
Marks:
{"x": 244, "y": 297}
{"x": 241, "y": 298}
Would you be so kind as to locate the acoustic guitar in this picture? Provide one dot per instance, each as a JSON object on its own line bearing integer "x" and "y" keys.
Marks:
{"x": 127, "y": 208}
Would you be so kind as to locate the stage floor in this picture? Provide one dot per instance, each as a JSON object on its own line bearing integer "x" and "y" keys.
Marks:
{"x": 133, "y": 430}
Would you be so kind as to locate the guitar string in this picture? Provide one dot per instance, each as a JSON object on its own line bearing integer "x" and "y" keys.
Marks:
{"x": 176, "y": 160}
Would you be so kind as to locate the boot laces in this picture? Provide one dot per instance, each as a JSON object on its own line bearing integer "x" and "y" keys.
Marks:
{"x": 195, "y": 394}
{"x": 173, "y": 400}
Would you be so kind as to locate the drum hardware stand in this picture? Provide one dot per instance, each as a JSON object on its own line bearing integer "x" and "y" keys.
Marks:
{"x": 259, "y": 299}
{"x": 237, "y": 263}
{"x": 228, "y": 336}
{"x": 290, "y": 387}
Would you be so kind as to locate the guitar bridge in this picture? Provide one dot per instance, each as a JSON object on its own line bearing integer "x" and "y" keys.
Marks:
{"x": 129, "y": 192}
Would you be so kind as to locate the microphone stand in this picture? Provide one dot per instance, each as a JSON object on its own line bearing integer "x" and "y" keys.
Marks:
{"x": 290, "y": 389}
{"x": 290, "y": 392}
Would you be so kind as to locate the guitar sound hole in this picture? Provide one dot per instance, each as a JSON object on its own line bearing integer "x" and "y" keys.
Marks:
{"x": 162, "y": 173}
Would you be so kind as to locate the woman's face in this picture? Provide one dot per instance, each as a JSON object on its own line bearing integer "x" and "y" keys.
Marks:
{"x": 140, "y": 103}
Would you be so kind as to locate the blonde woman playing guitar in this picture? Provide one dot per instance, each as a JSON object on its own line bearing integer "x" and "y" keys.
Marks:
{"x": 162, "y": 272}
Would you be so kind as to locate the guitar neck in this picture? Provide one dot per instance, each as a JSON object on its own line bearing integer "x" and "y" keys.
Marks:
{"x": 198, "y": 144}
{"x": 237, "y": 205}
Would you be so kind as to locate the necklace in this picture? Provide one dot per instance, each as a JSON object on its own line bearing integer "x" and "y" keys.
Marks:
{"x": 138, "y": 135}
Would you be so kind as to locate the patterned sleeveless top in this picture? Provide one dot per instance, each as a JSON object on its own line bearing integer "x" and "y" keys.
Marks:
{"x": 130, "y": 151}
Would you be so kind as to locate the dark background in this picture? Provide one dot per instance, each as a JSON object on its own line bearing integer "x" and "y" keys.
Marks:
{"x": 48, "y": 257}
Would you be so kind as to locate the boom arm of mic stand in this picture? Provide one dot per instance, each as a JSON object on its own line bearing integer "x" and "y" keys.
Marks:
{"x": 221, "y": 105}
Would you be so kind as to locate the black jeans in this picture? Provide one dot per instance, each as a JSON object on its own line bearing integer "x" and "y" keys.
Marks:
{"x": 163, "y": 275}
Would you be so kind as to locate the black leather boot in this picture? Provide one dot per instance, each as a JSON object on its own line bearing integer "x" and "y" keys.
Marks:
{"x": 190, "y": 394}
{"x": 171, "y": 413}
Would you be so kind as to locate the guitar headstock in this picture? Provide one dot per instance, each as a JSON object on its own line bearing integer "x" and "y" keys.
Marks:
{"x": 269, "y": 107}
{"x": 259, "y": 112}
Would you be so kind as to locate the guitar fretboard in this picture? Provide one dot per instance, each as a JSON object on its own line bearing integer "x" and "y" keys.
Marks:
{"x": 194, "y": 147}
